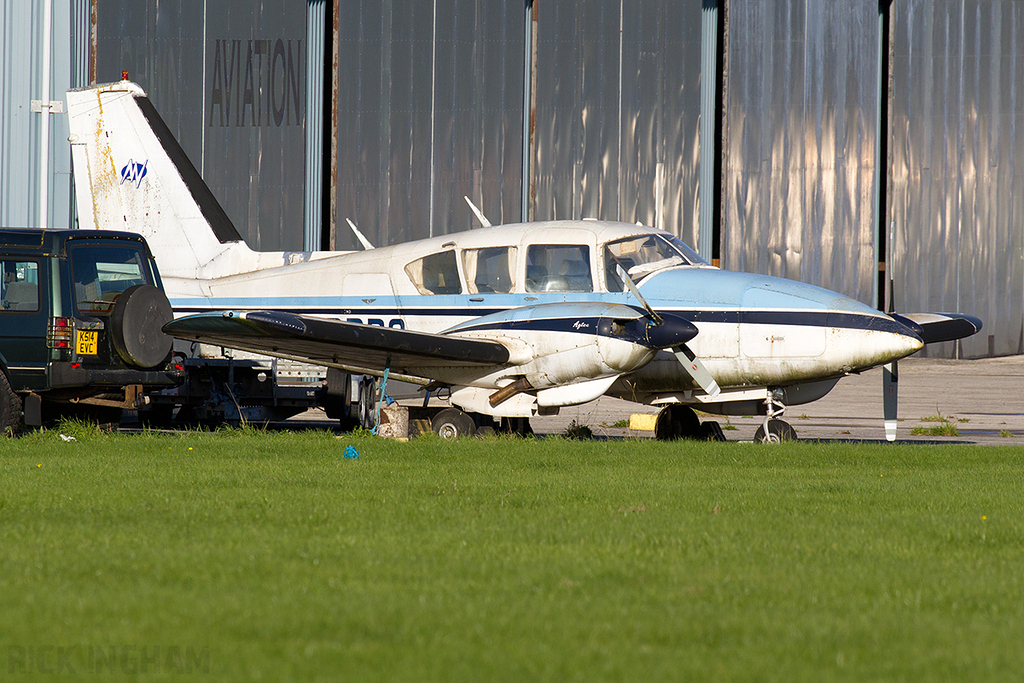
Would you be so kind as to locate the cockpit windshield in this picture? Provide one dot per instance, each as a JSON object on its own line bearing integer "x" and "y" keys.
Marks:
{"x": 645, "y": 254}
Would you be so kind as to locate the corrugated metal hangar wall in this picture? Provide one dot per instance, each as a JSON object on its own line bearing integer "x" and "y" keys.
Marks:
{"x": 956, "y": 163}
{"x": 790, "y": 137}
{"x": 35, "y": 158}
{"x": 230, "y": 79}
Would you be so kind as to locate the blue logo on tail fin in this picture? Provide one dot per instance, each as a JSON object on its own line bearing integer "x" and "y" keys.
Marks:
{"x": 133, "y": 172}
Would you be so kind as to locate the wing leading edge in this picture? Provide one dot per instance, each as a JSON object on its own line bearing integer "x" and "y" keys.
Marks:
{"x": 940, "y": 327}
{"x": 336, "y": 342}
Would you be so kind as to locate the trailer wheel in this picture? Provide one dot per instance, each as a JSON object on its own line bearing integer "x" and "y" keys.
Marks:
{"x": 337, "y": 402}
{"x": 367, "y": 402}
{"x": 452, "y": 423}
{"x": 10, "y": 407}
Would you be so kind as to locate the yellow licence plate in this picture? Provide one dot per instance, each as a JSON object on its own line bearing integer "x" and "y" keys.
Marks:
{"x": 86, "y": 342}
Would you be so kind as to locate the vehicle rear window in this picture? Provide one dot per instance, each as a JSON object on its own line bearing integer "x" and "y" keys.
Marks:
{"x": 19, "y": 285}
{"x": 101, "y": 272}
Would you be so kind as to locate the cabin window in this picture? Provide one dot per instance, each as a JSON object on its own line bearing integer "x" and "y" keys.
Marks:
{"x": 489, "y": 270}
{"x": 20, "y": 286}
{"x": 642, "y": 255}
{"x": 101, "y": 273}
{"x": 558, "y": 268}
{"x": 435, "y": 274}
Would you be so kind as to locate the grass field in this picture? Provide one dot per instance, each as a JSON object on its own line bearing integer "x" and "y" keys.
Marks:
{"x": 239, "y": 555}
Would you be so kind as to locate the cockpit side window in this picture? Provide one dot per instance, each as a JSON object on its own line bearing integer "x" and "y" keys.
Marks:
{"x": 489, "y": 270}
{"x": 435, "y": 274}
{"x": 642, "y": 255}
{"x": 558, "y": 268}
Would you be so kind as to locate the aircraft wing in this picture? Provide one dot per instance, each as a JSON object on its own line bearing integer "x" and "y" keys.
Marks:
{"x": 350, "y": 345}
{"x": 940, "y": 327}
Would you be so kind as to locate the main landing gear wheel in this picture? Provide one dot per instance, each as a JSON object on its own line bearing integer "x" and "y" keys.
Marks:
{"x": 778, "y": 431}
{"x": 677, "y": 421}
{"x": 452, "y": 423}
{"x": 711, "y": 431}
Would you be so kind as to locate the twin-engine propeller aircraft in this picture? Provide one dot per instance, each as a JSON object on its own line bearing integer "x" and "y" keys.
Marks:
{"x": 511, "y": 321}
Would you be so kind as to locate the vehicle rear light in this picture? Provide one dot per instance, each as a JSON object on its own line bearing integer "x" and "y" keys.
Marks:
{"x": 59, "y": 333}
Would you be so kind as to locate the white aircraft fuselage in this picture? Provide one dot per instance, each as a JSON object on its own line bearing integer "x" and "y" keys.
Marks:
{"x": 755, "y": 331}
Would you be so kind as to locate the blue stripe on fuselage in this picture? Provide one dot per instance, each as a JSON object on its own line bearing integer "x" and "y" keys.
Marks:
{"x": 457, "y": 307}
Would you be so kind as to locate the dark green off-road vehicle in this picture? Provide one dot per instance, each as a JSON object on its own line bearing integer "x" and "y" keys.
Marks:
{"x": 81, "y": 314}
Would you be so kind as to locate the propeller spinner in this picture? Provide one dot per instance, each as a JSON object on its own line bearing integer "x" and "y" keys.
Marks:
{"x": 664, "y": 333}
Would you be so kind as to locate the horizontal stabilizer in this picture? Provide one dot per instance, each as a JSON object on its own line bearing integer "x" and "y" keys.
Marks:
{"x": 336, "y": 342}
{"x": 940, "y": 327}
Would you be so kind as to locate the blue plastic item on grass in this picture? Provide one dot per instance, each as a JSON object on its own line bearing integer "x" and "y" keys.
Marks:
{"x": 351, "y": 452}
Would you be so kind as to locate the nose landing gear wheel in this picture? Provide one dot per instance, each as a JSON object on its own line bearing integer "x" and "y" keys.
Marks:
{"x": 778, "y": 431}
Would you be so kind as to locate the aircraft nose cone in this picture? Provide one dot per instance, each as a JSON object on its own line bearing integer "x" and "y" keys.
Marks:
{"x": 673, "y": 331}
{"x": 905, "y": 341}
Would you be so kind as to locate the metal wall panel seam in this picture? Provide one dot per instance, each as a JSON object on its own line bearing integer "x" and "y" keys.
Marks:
{"x": 708, "y": 117}
{"x": 433, "y": 119}
{"x": 313, "y": 206}
{"x": 202, "y": 107}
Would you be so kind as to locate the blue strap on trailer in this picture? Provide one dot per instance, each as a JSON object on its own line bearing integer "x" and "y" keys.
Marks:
{"x": 383, "y": 396}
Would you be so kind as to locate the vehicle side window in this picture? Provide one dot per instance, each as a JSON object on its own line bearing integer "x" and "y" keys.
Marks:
{"x": 435, "y": 274}
{"x": 101, "y": 272}
{"x": 20, "y": 285}
{"x": 489, "y": 270}
{"x": 558, "y": 268}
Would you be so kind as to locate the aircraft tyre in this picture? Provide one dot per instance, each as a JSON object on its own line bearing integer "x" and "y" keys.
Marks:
{"x": 10, "y": 407}
{"x": 452, "y": 423}
{"x": 778, "y": 431}
{"x": 710, "y": 430}
{"x": 677, "y": 421}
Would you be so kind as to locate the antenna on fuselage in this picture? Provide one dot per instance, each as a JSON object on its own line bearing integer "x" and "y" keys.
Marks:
{"x": 359, "y": 236}
{"x": 479, "y": 214}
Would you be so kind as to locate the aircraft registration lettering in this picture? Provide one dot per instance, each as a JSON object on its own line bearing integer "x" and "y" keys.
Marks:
{"x": 397, "y": 323}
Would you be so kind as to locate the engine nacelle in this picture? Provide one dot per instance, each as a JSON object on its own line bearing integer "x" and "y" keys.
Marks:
{"x": 560, "y": 344}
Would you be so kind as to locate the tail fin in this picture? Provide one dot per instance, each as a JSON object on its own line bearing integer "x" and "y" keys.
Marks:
{"x": 131, "y": 174}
